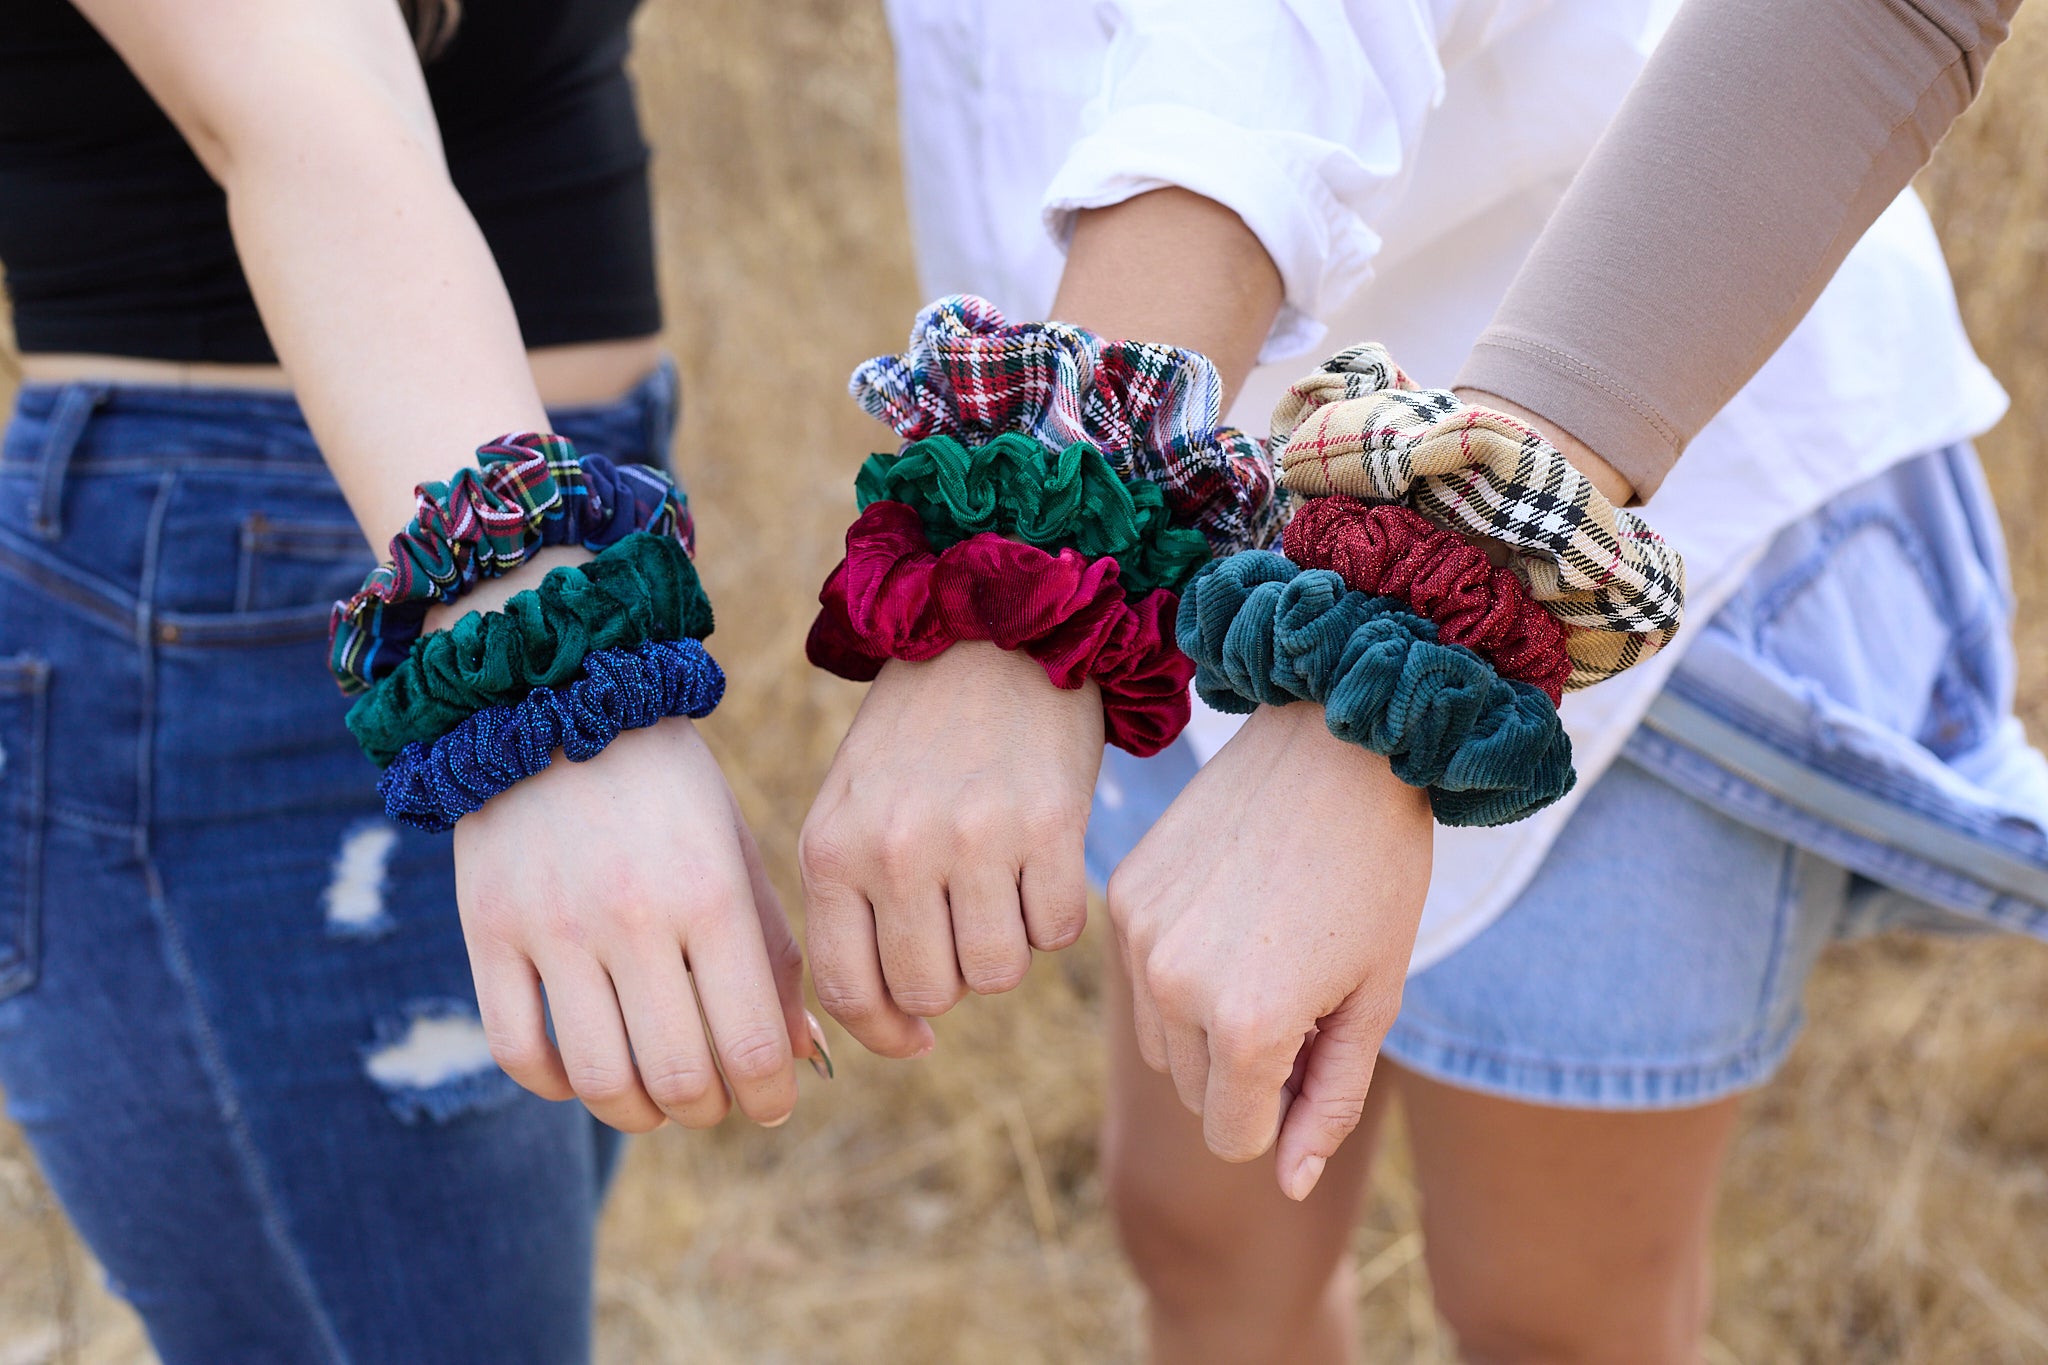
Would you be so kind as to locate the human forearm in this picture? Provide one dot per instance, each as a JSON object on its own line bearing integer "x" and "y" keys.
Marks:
{"x": 375, "y": 285}
{"x": 1760, "y": 143}
{"x": 1172, "y": 267}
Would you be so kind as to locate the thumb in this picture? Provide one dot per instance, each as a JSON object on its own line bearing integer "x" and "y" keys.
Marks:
{"x": 1331, "y": 1098}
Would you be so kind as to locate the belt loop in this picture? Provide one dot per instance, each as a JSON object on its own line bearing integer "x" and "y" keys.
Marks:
{"x": 74, "y": 408}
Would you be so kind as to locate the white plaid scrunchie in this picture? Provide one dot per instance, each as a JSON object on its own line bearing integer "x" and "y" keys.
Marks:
{"x": 1359, "y": 426}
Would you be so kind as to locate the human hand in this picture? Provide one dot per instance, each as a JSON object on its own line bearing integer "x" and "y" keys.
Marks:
{"x": 1266, "y": 922}
{"x": 945, "y": 843}
{"x": 629, "y": 887}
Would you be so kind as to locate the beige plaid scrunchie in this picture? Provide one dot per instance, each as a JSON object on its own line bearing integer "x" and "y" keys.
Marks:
{"x": 1359, "y": 426}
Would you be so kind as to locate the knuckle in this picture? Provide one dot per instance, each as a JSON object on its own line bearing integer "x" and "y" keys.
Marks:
{"x": 1241, "y": 1029}
{"x": 822, "y": 855}
{"x": 996, "y": 977}
{"x": 1043, "y": 822}
{"x": 755, "y": 1055}
{"x": 979, "y": 823}
{"x": 519, "y": 1057}
{"x": 679, "y": 1084}
{"x": 846, "y": 1002}
{"x": 899, "y": 849}
{"x": 928, "y": 1001}
{"x": 599, "y": 1084}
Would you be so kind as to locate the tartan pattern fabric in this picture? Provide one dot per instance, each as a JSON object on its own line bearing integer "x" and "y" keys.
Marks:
{"x": 525, "y": 491}
{"x": 1359, "y": 426}
{"x": 1152, "y": 410}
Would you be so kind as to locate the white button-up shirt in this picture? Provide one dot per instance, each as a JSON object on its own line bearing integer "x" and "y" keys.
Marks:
{"x": 1397, "y": 159}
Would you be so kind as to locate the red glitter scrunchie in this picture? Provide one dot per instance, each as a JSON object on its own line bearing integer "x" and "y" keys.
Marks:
{"x": 892, "y": 598}
{"x": 1390, "y": 550}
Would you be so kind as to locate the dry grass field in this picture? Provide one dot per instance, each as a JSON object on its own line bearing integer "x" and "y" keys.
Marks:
{"x": 1888, "y": 1201}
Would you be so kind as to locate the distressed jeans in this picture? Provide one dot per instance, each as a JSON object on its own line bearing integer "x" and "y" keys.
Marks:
{"x": 236, "y": 1018}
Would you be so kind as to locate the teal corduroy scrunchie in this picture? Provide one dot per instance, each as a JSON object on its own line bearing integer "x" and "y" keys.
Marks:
{"x": 1262, "y": 631}
{"x": 643, "y": 588}
{"x": 1016, "y": 487}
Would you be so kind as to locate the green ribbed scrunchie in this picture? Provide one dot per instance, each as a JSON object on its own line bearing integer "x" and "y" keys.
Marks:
{"x": 642, "y": 588}
{"x": 1262, "y": 631}
{"x": 1013, "y": 486}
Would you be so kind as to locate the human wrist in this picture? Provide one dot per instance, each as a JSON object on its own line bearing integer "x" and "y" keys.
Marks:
{"x": 1324, "y": 768}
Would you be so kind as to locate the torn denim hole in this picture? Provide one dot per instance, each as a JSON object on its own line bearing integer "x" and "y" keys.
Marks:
{"x": 354, "y": 899}
{"x": 434, "y": 1063}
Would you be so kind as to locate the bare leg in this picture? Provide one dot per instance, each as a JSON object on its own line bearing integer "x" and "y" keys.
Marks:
{"x": 1562, "y": 1236}
{"x": 1233, "y": 1270}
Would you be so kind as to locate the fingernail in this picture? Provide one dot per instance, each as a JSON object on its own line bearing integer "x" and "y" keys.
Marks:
{"x": 821, "y": 1053}
{"x": 1307, "y": 1172}
{"x": 777, "y": 1123}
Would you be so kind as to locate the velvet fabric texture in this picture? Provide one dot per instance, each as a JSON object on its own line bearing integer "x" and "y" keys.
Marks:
{"x": 643, "y": 588}
{"x": 430, "y": 787}
{"x": 525, "y": 491}
{"x": 893, "y": 598}
{"x": 1387, "y": 550}
{"x": 1155, "y": 412}
{"x": 1262, "y": 631}
{"x": 1013, "y": 486}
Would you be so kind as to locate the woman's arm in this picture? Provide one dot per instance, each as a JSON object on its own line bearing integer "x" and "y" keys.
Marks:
{"x": 372, "y": 278}
{"x": 592, "y": 879}
{"x": 1761, "y": 141}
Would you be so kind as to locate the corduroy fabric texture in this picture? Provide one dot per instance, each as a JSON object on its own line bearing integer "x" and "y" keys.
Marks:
{"x": 643, "y": 588}
{"x": 1360, "y": 427}
{"x": 1387, "y": 550}
{"x": 526, "y": 491}
{"x": 1263, "y": 631}
{"x": 1013, "y": 486}
{"x": 893, "y": 598}
{"x": 430, "y": 787}
{"x": 1153, "y": 411}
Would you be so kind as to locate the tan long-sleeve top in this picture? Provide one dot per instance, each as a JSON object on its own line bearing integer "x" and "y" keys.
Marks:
{"x": 1762, "y": 139}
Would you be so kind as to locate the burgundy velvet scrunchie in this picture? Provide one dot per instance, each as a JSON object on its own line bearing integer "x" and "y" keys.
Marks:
{"x": 892, "y": 598}
{"x": 1390, "y": 550}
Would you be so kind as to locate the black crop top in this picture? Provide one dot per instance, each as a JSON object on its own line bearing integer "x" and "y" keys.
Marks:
{"x": 115, "y": 240}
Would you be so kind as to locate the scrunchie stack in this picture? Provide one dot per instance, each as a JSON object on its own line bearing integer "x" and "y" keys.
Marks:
{"x": 893, "y": 598}
{"x": 1103, "y": 460}
{"x": 1263, "y": 631}
{"x": 1359, "y": 427}
{"x": 459, "y": 715}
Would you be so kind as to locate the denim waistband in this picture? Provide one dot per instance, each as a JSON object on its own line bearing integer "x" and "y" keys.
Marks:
{"x": 60, "y": 427}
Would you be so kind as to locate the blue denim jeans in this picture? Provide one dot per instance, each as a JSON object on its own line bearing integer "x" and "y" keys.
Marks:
{"x": 236, "y": 1018}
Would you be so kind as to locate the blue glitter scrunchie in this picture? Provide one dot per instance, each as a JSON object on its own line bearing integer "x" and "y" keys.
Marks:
{"x": 431, "y": 786}
{"x": 1263, "y": 631}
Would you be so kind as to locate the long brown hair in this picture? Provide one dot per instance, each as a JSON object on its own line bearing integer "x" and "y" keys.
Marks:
{"x": 432, "y": 23}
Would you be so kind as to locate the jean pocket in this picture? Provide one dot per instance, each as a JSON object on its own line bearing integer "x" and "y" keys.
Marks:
{"x": 288, "y": 563}
{"x": 24, "y": 687}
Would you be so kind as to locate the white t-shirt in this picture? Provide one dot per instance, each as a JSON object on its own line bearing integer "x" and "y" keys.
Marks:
{"x": 1397, "y": 159}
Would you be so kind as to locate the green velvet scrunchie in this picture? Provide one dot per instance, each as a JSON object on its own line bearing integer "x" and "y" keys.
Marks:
{"x": 1489, "y": 750}
{"x": 642, "y": 588}
{"x": 1013, "y": 486}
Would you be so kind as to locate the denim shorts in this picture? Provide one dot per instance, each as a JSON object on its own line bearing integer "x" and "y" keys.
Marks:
{"x": 1658, "y": 956}
{"x": 236, "y": 1017}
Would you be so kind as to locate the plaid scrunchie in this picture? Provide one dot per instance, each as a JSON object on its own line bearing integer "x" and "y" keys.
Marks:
{"x": 1152, "y": 410}
{"x": 1359, "y": 426}
{"x": 525, "y": 491}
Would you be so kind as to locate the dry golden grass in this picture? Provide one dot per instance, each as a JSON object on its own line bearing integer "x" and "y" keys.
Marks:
{"x": 1888, "y": 1200}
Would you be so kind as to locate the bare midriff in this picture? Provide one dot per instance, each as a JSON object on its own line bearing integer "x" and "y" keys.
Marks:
{"x": 587, "y": 372}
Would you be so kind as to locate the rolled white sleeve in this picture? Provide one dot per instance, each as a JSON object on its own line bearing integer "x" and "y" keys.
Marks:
{"x": 1301, "y": 116}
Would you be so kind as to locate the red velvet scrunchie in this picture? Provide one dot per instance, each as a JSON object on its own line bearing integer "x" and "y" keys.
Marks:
{"x": 892, "y": 598}
{"x": 1390, "y": 550}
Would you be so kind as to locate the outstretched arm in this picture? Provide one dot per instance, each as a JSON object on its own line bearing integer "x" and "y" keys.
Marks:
{"x": 594, "y": 879}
